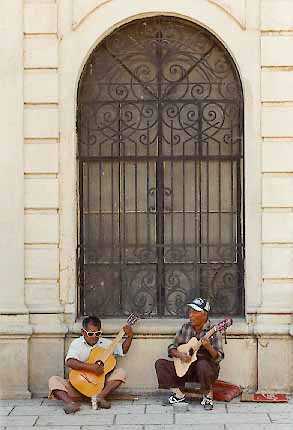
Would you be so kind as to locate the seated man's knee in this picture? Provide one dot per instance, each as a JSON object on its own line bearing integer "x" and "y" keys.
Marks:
{"x": 53, "y": 380}
{"x": 118, "y": 374}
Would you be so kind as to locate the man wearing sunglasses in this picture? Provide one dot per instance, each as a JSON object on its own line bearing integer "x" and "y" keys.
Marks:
{"x": 76, "y": 358}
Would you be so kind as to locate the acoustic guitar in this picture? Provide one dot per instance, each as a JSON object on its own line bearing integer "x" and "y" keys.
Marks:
{"x": 89, "y": 383}
{"x": 193, "y": 345}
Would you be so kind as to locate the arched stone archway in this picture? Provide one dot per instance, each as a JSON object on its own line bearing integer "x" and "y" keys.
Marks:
{"x": 160, "y": 148}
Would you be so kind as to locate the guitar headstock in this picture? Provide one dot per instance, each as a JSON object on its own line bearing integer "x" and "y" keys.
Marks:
{"x": 132, "y": 319}
{"x": 223, "y": 325}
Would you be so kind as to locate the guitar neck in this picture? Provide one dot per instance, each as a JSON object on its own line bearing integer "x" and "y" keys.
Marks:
{"x": 209, "y": 333}
{"x": 111, "y": 348}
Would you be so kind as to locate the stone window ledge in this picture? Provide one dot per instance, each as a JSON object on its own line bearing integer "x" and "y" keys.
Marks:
{"x": 158, "y": 327}
{"x": 167, "y": 327}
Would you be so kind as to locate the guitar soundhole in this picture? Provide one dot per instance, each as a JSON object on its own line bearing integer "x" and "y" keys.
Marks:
{"x": 190, "y": 352}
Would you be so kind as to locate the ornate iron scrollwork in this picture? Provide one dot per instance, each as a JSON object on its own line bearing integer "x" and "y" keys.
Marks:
{"x": 160, "y": 149}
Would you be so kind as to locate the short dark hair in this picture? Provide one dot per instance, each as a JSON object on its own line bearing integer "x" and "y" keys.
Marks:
{"x": 91, "y": 319}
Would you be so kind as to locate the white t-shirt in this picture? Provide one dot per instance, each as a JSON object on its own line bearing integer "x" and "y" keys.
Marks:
{"x": 80, "y": 349}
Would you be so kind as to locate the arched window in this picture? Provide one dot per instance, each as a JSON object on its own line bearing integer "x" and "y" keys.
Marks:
{"x": 160, "y": 153}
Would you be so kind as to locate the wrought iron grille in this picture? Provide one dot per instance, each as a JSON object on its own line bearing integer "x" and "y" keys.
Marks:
{"x": 160, "y": 114}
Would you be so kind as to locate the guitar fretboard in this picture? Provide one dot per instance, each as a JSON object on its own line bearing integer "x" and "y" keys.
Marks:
{"x": 132, "y": 319}
{"x": 209, "y": 333}
{"x": 111, "y": 348}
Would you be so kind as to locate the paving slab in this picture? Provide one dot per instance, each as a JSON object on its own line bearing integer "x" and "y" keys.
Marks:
{"x": 29, "y": 402}
{"x": 271, "y": 426}
{"x": 259, "y": 407}
{"x": 186, "y": 427}
{"x": 76, "y": 420}
{"x": 5, "y": 410}
{"x": 47, "y": 402}
{"x": 159, "y": 409}
{"x": 115, "y": 410}
{"x": 113, "y": 427}
{"x": 282, "y": 418}
{"x": 18, "y": 421}
{"x": 125, "y": 402}
{"x": 149, "y": 401}
{"x": 197, "y": 407}
{"x": 152, "y": 398}
{"x": 36, "y": 410}
{"x": 146, "y": 414}
{"x": 213, "y": 417}
{"x": 144, "y": 419}
{"x": 42, "y": 428}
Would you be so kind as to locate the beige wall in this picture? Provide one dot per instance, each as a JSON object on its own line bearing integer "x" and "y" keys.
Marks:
{"x": 11, "y": 114}
{"x": 41, "y": 152}
{"x": 52, "y": 41}
{"x": 277, "y": 146}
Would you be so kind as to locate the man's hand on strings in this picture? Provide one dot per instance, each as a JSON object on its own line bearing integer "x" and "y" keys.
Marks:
{"x": 128, "y": 330}
{"x": 98, "y": 367}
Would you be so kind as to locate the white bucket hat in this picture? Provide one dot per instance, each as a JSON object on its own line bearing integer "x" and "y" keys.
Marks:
{"x": 200, "y": 305}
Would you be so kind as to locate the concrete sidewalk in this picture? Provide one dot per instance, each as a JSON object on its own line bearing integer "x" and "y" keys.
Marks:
{"x": 147, "y": 413}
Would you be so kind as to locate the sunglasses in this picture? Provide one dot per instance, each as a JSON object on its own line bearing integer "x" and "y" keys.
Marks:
{"x": 93, "y": 333}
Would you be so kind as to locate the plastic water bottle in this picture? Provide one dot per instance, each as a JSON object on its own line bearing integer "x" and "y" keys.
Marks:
{"x": 94, "y": 403}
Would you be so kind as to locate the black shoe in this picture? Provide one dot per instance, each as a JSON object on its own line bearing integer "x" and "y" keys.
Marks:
{"x": 207, "y": 403}
{"x": 174, "y": 400}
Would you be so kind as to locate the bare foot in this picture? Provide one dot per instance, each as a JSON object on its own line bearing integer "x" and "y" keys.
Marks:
{"x": 103, "y": 403}
{"x": 71, "y": 408}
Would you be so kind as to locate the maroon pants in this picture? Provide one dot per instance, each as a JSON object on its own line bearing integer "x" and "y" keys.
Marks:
{"x": 203, "y": 371}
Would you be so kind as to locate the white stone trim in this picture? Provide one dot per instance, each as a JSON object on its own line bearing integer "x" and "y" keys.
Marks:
{"x": 244, "y": 48}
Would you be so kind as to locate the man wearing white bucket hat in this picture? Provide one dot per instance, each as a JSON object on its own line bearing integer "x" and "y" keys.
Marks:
{"x": 205, "y": 369}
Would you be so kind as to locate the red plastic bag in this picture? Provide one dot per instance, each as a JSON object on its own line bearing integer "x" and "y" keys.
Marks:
{"x": 224, "y": 391}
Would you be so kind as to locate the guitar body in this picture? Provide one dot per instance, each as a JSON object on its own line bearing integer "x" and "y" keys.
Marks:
{"x": 90, "y": 384}
{"x": 193, "y": 345}
{"x": 190, "y": 348}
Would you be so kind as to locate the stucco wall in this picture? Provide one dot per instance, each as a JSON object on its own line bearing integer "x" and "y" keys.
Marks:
{"x": 51, "y": 42}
